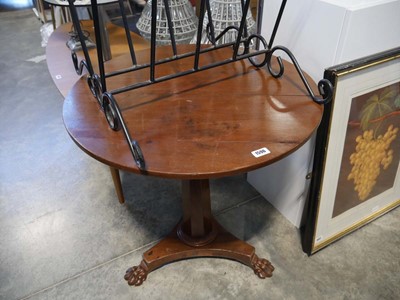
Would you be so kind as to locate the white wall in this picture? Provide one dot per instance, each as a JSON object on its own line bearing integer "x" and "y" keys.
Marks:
{"x": 320, "y": 33}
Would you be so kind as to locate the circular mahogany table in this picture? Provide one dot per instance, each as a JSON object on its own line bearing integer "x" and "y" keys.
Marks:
{"x": 194, "y": 128}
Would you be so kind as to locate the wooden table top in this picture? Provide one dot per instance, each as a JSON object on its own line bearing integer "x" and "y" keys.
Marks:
{"x": 198, "y": 126}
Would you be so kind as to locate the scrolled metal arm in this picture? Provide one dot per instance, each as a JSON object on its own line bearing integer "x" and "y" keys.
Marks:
{"x": 326, "y": 90}
{"x": 209, "y": 36}
{"x": 79, "y": 65}
{"x": 96, "y": 88}
{"x": 324, "y": 86}
{"x": 247, "y": 44}
{"x": 116, "y": 122}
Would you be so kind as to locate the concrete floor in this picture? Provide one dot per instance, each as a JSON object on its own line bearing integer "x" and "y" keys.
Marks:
{"x": 63, "y": 234}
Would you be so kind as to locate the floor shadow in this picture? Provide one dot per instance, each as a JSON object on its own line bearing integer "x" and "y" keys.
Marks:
{"x": 155, "y": 203}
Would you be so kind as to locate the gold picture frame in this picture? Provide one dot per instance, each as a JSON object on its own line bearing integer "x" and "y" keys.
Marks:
{"x": 356, "y": 175}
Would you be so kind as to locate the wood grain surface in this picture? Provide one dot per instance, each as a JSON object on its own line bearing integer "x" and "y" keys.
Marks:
{"x": 199, "y": 126}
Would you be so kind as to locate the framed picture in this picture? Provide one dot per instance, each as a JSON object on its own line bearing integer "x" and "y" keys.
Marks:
{"x": 356, "y": 175}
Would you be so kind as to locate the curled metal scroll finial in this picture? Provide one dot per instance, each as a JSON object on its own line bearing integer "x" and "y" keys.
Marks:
{"x": 326, "y": 90}
{"x": 79, "y": 65}
{"x": 96, "y": 88}
{"x": 210, "y": 33}
{"x": 324, "y": 86}
{"x": 247, "y": 45}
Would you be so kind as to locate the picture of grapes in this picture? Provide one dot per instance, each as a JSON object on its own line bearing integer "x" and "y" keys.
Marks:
{"x": 372, "y": 148}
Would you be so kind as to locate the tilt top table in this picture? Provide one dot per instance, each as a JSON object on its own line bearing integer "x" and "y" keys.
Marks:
{"x": 219, "y": 122}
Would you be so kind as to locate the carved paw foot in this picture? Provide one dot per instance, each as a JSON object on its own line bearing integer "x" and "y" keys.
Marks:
{"x": 262, "y": 267}
{"x": 136, "y": 275}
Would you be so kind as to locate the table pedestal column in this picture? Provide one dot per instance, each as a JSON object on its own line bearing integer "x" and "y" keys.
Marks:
{"x": 198, "y": 234}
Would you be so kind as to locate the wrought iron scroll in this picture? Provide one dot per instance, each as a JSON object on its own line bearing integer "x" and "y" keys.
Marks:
{"x": 116, "y": 122}
{"x": 243, "y": 48}
{"x": 325, "y": 87}
{"x": 77, "y": 25}
{"x": 92, "y": 79}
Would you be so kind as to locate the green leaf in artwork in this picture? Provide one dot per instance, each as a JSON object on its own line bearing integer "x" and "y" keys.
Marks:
{"x": 397, "y": 101}
{"x": 377, "y": 106}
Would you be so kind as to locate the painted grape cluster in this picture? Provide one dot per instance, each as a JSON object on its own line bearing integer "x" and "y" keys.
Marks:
{"x": 370, "y": 155}
{"x": 373, "y": 153}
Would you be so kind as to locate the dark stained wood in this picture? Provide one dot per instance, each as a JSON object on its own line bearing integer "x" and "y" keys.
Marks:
{"x": 197, "y": 227}
{"x": 193, "y": 128}
{"x": 198, "y": 234}
{"x": 198, "y": 126}
{"x": 173, "y": 248}
{"x": 117, "y": 183}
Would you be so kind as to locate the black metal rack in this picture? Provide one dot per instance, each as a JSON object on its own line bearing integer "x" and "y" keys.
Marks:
{"x": 105, "y": 97}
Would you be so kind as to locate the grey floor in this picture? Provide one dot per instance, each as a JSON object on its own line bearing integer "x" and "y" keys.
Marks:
{"x": 63, "y": 234}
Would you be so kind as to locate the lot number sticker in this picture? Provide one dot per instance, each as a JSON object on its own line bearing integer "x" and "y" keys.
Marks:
{"x": 260, "y": 152}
